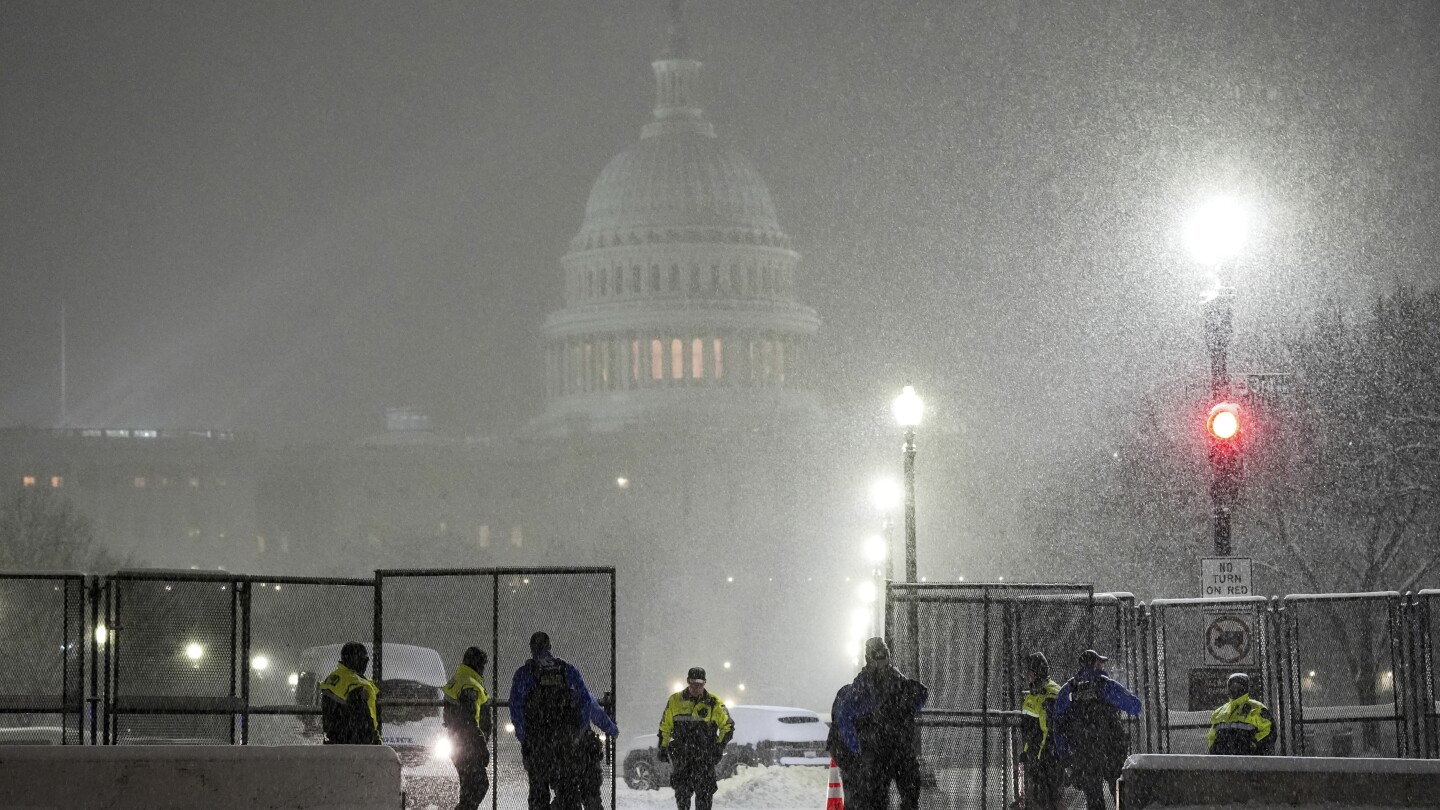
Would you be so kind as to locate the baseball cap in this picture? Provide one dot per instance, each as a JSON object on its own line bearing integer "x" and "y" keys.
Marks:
{"x": 696, "y": 674}
{"x": 1090, "y": 657}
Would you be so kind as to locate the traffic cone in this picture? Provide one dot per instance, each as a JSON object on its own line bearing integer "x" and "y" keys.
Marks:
{"x": 835, "y": 798}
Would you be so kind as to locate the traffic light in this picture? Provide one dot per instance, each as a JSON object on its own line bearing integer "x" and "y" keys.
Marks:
{"x": 1225, "y": 426}
{"x": 1224, "y": 423}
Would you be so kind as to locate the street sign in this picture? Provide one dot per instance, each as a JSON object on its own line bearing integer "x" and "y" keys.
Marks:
{"x": 1263, "y": 386}
{"x": 1226, "y": 576}
{"x": 1229, "y": 636}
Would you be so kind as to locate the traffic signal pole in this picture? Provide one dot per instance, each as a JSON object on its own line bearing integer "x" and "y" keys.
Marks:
{"x": 1224, "y": 457}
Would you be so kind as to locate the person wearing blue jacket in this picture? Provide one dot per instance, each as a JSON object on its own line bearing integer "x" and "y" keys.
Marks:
{"x": 551, "y": 710}
{"x": 1087, "y": 713}
{"x": 876, "y": 720}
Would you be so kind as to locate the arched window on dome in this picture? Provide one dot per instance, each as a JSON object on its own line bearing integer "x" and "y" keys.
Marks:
{"x": 697, "y": 358}
{"x": 604, "y": 283}
{"x": 674, "y": 278}
{"x": 714, "y": 279}
{"x": 779, "y": 362}
{"x": 589, "y": 284}
{"x": 767, "y": 281}
{"x": 635, "y": 280}
{"x": 736, "y": 285}
{"x": 677, "y": 359}
{"x": 751, "y": 286}
{"x": 654, "y": 278}
{"x": 694, "y": 278}
{"x": 657, "y": 360}
{"x": 718, "y": 359}
{"x": 604, "y": 365}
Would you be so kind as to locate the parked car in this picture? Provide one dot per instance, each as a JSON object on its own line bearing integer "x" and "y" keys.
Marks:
{"x": 764, "y": 735}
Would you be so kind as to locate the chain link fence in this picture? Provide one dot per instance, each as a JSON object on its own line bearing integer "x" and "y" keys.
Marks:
{"x": 1342, "y": 653}
{"x": 497, "y": 610}
{"x": 966, "y": 642}
{"x": 42, "y": 682}
{"x": 1191, "y": 647}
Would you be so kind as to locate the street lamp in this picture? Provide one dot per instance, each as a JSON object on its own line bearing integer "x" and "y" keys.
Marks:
{"x": 908, "y": 408}
{"x": 1214, "y": 235}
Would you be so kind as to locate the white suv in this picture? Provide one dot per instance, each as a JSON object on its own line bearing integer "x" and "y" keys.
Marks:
{"x": 764, "y": 735}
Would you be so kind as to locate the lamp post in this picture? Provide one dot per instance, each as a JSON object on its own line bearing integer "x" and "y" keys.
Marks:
{"x": 908, "y": 408}
{"x": 1214, "y": 235}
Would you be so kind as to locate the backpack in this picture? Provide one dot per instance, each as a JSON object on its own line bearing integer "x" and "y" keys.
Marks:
{"x": 552, "y": 709}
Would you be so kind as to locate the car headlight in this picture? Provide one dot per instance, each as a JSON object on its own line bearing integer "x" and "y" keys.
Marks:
{"x": 441, "y": 746}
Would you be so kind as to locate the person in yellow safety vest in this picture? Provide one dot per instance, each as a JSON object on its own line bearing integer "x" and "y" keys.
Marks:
{"x": 469, "y": 724}
{"x": 1044, "y": 751}
{"x": 1242, "y": 726}
{"x": 693, "y": 733}
{"x": 347, "y": 705}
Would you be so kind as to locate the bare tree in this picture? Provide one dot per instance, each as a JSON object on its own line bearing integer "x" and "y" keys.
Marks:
{"x": 42, "y": 530}
{"x": 1343, "y": 475}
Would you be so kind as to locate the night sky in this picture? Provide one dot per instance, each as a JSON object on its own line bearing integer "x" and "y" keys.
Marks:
{"x": 287, "y": 216}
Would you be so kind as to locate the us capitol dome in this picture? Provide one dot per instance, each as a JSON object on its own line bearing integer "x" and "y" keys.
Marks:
{"x": 680, "y": 285}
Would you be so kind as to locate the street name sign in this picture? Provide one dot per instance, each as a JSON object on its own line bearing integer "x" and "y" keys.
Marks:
{"x": 1226, "y": 576}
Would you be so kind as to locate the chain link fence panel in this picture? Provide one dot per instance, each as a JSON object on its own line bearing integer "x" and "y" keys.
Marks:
{"x": 43, "y": 688}
{"x": 497, "y": 610}
{"x": 1342, "y": 652}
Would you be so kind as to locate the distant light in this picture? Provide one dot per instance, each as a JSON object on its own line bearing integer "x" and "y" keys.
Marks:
{"x": 677, "y": 686}
{"x": 922, "y": 579}
{"x": 525, "y": 581}
{"x": 101, "y": 635}
{"x": 194, "y": 651}
{"x": 622, "y": 482}
{"x": 294, "y": 679}
{"x": 726, "y": 665}
{"x": 441, "y": 746}
{"x": 885, "y": 494}
{"x": 875, "y": 548}
{"x": 962, "y": 579}
{"x": 908, "y": 407}
{"x": 867, "y": 591}
{"x": 277, "y": 587}
{"x": 260, "y": 663}
{"x": 1312, "y": 673}
{"x": 729, "y": 579}
{"x": 729, "y": 701}
{"x": 1001, "y": 579}
{"x": 1216, "y": 231}
{"x": 741, "y": 687}
{"x": 509, "y": 728}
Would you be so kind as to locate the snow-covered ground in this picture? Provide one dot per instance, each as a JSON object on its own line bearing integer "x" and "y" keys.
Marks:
{"x": 759, "y": 788}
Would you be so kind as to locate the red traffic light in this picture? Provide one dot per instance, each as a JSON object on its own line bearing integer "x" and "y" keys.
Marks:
{"x": 1224, "y": 421}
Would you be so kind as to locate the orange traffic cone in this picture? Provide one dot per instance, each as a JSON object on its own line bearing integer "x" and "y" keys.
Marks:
{"x": 835, "y": 798}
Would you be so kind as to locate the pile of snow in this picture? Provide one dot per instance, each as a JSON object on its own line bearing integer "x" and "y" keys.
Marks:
{"x": 759, "y": 788}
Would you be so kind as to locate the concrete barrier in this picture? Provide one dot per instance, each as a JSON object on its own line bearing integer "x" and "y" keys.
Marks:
{"x": 199, "y": 777}
{"x": 1198, "y": 780}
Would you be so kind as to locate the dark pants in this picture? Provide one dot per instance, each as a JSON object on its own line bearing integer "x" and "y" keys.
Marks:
{"x": 553, "y": 770}
{"x": 1092, "y": 782}
{"x": 471, "y": 757}
{"x": 592, "y": 775}
{"x": 879, "y": 768}
{"x": 1045, "y": 785}
{"x": 693, "y": 776}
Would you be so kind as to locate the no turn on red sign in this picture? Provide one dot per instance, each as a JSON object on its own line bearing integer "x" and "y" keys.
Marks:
{"x": 1226, "y": 576}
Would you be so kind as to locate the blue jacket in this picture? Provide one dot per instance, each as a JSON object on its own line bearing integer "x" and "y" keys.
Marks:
{"x": 1114, "y": 694}
{"x": 878, "y": 709}
{"x": 590, "y": 712}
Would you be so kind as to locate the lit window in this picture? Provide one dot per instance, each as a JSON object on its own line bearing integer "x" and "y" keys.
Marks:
{"x": 719, "y": 359}
{"x": 657, "y": 360}
{"x": 677, "y": 359}
{"x": 605, "y": 364}
{"x": 139, "y": 482}
{"x": 697, "y": 358}
{"x": 57, "y": 481}
{"x": 517, "y": 537}
{"x": 260, "y": 543}
{"x": 482, "y": 536}
{"x": 28, "y": 481}
{"x": 634, "y": 360}
{"x": 194, "y": 481}
{"x": 780, "y": 361}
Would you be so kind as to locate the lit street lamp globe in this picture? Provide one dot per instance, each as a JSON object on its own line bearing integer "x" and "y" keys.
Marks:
{"x": 908, "y": 407}
{"x": 1216, "y": 231}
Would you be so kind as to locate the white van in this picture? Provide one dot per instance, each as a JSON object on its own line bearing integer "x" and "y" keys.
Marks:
{"x": 416, "y": 732}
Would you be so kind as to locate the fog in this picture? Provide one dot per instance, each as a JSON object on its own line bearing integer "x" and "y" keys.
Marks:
{"x": 284, "y": 219}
